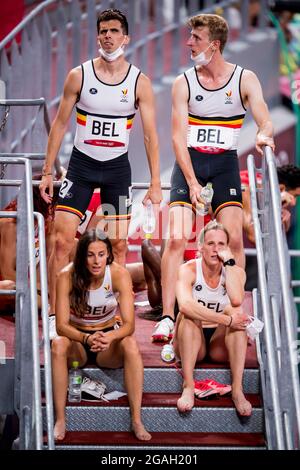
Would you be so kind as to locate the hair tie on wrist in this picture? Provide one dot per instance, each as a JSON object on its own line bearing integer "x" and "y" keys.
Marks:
{"x": 86, "y": 338}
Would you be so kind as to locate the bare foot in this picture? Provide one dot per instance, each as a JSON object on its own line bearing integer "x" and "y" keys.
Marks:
{"x": 140, "y": 432}
{"x": 186, "y": 401}
{"x": 243, "y": 406}
{"x": 59, "y": 430}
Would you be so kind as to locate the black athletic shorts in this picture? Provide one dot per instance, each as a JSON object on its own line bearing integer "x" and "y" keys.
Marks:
{"x": 92, "y": 356}
{"x": 208, "y": 333}
{"x": 221, "y": 169}
{"x": 113, "y": 177}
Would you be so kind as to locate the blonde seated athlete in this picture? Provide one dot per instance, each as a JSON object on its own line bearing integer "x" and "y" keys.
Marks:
{"x": 86, "y": 309}
{"x": 210, "y": 291}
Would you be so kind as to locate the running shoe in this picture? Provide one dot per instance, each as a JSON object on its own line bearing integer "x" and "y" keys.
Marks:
{"x": 203, "y": 390}
{"x": 222, "y": 389}
{"x": 92, "y": 390}
{"x": 163, "y": 330}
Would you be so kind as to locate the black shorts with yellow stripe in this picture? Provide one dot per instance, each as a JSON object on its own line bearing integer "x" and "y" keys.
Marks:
{"x": 85, "y": 174}
{"x": 221, "y": 169}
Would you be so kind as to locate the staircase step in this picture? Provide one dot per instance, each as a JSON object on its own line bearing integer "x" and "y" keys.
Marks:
{"x": 218, "y": 415}
{"x": 169, "y": 380}
{"x": 170, "y": 400}
{"x": 165, "y": 440}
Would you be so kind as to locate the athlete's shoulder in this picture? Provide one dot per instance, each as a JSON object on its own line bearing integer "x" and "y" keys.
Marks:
{"x": 74, "y": 78}
{"x": 189, "y": 267}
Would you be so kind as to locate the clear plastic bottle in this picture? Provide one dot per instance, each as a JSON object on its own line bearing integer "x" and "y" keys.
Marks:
{"x": 75, "y": 380}
{"x": 148, "y": 220}
{"x": 206, "y": 194}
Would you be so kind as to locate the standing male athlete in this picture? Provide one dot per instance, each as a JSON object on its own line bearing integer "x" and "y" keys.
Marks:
{"x": 209, "y": 104}
{"x": 107, "y": 91}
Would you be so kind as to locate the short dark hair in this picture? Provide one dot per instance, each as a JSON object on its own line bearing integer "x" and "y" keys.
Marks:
{"x": 289, "y": 175}
{"x": 81, "y": 277}
{"x": 113, "y": 14}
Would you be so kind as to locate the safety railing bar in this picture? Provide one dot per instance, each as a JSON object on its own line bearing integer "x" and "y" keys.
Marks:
{"x": 24, "y": 22}
{"x": 34, "y": 310}
{"x": 8, "y": 214}
{"x": 30, "y": 155}
{"x": 297, "y": 300}
{"x": 7, "y": 292}
{"x": 276, "y": 316}
{"x": 32, "y": 102}
{"x": 23, "y": 102}
{"x": 260, "y": 360}
{"x": 33, "y": 300}
{"x": 295, "y": 283}
{"x": 295, "y": 253}
{"x": 45, "y": 323}
{"x": 287, "y": 425}
{"x": 265, "y": 306}
{"x": 284, "y": 275}
{"x": 19, "y": 182}
{"x": 147, "y": 185}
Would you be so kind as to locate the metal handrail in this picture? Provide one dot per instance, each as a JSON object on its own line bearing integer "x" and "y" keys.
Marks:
{"x": 263, "y": 289}
{"x": 284, "y": 276}
{"x": 27, "y": 201}
{"x": 25, "y": 22}
{"x": 41, "y": 102}
{"x": 280, "y": 334}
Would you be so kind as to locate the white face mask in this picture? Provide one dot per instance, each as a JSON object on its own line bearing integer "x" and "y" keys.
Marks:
{"x": 111, "y": 56}
{"x": 200, "y": 59}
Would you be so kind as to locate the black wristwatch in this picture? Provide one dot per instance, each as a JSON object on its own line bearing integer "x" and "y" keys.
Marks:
{"x": 229, "y": 262}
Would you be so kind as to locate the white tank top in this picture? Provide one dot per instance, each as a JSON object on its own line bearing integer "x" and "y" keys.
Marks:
{"x": 105, "y": 114}
{"x": 102, "y": 304}
{"x": 215, "y": 116}
{"x": 213, "y": 298}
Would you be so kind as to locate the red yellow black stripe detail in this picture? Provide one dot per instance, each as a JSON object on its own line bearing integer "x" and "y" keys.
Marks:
{"x": 233, "y": 123}
{"x": 118, "y": 217}
{"x": 129, "y": 123}
{"x": 181, "y": 203}
{"x": 227, "y": 204}
{"x": 60, "y": 207}
{"x": 81, "y": 119}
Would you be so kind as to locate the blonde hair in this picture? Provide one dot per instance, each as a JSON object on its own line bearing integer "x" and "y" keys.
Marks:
{"x": 217, "y": 27}
{"x": 212, "y": 225}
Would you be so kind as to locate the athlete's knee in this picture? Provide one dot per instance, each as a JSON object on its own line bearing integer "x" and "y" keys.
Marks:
{"x": 187, "y": 324}
{"x": 176, "y": 244}
{"x": 119, "y": 247}
{"x": 130, "y": 346}
{"x": 60, "y": 346}
{"x": 236, "y": 238}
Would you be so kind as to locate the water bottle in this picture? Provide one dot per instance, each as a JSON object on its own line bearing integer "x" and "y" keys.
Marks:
{"x": 149, "y": 220}
{"x": 206, "y": 194}
{"x": 75, "y": 380}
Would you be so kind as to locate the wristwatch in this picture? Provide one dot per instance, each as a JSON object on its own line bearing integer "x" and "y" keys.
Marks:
{"x": 229, "y": 262}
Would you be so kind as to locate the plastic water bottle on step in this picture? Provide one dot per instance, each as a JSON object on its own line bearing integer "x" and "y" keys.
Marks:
{"x": 75, "y": 381}
{"x": 206, "y": 194}
{"x": 148, "y": 220}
